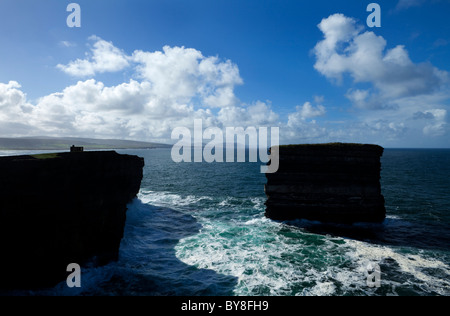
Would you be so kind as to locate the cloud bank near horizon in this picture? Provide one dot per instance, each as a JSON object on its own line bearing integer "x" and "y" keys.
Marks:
{"x": 393, "y": 100}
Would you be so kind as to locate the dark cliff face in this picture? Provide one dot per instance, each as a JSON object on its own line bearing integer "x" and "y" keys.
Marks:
{"x": 58, "y": 209}
{"x": 327, "y": 182}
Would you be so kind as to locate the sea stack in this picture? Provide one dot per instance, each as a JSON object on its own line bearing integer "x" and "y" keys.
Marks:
{"x": 334, "y": 182}
{"x": 57, "y": 209}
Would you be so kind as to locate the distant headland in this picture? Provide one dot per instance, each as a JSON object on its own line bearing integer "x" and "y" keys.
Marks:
{"x": 63, "y": 143}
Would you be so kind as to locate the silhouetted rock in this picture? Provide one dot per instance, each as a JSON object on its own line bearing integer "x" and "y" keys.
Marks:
{"x": 327, "y": 182}
{"x": 57, "y": 209}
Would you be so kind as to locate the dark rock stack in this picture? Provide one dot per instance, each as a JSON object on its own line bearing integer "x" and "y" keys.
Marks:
{"x": 57, "y": 209}
{"x": 327, "y": 182}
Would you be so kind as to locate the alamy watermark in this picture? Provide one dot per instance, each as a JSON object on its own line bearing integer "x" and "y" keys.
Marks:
{"x": 374, "y": 18}
{"x": 74, "y": 278}
{"x": 238, "y": 142}
{"x": 373, "y": 275}
{"x": 74, "y": 18}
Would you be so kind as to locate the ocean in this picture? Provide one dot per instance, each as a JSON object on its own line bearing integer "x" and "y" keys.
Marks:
{"x": 198, "y": 229}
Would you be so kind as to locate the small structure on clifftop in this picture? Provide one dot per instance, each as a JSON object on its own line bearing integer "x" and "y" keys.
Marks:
{"x": 75, "y": 149}
{"x": 327, "y": 182}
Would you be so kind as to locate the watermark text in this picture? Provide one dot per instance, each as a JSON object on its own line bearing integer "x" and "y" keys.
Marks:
{"x": 240, "y": 144}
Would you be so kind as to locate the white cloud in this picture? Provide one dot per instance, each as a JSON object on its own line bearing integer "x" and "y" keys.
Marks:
{"x": 128, "y": 110}
{"x": 184, "y": 73}
{"x": 172, "y": 87}
{"x": 258, "y": 114}
{"x": 347, "y": 49}
{"x": 385, "y": 80}
{"x": 104, "y": 57}
{"x": 303, "y": 131}
{"x": 304, "y": 112}
{"x": 298, "y": 124}
{"x": 436, "y": 124}
{"x": 11, "y": 97}
{"x": 176, "y": 73}
{"x": 67, "y": 44}
{"x": 14, "y": 110}
{"x": 309, "y": 111}
{"x": 376, "y": 131}
{"x": 300, "y": 128}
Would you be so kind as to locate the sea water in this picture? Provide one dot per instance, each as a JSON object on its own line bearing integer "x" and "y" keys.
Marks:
{"x": 200, "y": 229}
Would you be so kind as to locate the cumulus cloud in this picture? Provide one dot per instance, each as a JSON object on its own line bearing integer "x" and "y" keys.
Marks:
{"x": 91, "y": 109}
{"x": 304, "y": 112}
{"x": 348, "y": 49}
{"x": 104, "y": 57}
{"x": 257, "y": 114}
{"x": 304, "y": 131}
{"x": 177, "y": 84}
{"x": 309, "y": 111}
{"x": 383, "y": 79}
{"x": 170, "y": 88}
{"x": 184, "y": 73}
{"x": 176, "y": 73}
{"x": 12, "y": 99}
{"x": 300, "y": 125}
{"x": 173, "y": 86}
{"x": 14, "y": 110}
{"x": 436, "y": 124}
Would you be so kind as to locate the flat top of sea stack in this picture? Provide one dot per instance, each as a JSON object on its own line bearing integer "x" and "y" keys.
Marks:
{"x": 332, "y": 148}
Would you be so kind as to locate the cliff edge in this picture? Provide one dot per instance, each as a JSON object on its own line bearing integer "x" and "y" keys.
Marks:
{"x": 57, "y": 209}
{"x": 327, "y": 182}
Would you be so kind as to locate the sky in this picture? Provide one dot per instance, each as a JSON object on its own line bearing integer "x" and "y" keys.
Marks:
{"x": 138, "y": 69}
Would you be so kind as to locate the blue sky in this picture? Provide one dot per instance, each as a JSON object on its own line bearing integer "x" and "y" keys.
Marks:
{"x": 137, "y": 69}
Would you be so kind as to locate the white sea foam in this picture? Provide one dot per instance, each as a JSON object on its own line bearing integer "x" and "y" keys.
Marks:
{"x": 264, "y": 262}
{"x": 258, "y": 203}
{"x": 257, "y": 221}
{"x": 412, "y": 264}
{"x": 322, "y": 289}
{"x": 268, "y": 262}
{"x": 271, "y": 258}
{"x": 167, "y": 199}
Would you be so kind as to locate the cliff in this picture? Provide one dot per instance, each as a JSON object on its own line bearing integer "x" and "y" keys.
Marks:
{"x": 327, "y": 182}
{"x": 57, "y": 209}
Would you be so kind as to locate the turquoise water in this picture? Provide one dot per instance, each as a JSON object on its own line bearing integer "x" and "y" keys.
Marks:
{"x": 199, "y": 229}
